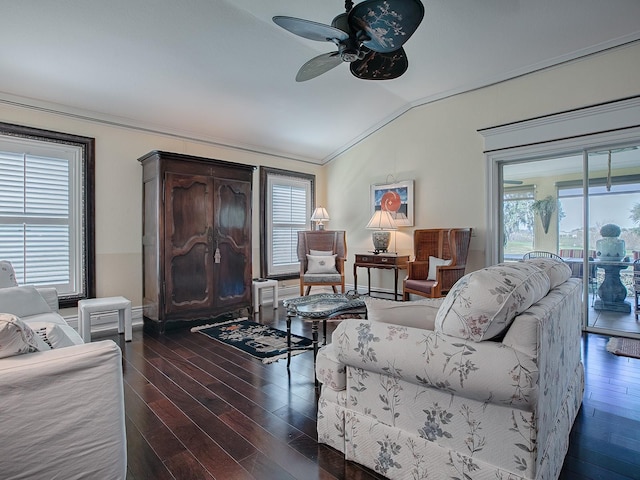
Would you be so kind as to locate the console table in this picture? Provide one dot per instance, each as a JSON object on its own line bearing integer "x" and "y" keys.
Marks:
{"x": 387, "y": 261}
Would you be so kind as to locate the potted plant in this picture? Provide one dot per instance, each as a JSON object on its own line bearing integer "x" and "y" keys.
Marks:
{"x": 610, "y": 247}
{"x": 544, "y": 208}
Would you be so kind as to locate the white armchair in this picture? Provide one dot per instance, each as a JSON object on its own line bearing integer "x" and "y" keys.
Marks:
{"x": 61, "y": 408}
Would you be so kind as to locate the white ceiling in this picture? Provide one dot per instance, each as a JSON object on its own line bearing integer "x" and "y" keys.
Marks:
{"x": 223, "y": 72}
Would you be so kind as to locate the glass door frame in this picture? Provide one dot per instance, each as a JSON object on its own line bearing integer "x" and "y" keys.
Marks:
{"x": 571, "y": 147}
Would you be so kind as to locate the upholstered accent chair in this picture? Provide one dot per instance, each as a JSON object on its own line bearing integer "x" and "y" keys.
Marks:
{"x": 322, "y": 254}
{"x": 440, "y": 261}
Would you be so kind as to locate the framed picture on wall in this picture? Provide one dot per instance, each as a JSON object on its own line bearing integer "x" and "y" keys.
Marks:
{"x": 396, "y": 198}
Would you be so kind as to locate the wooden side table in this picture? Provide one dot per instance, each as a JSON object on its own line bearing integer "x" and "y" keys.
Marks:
{"x": 387, "y": 261}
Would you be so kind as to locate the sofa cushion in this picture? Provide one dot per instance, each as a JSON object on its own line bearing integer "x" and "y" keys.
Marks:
{"x": 558, "y": 271}
{"x": 7, "y": 275}
{"x": 482, "y": 304}
{"x": 418, "y": 314}
{"x": 321, "y": 253}
{"x": 321, "y": 264}
{"x": 435, "y": 262}
{"x": 56, "y": 335}
{"x": 17, "y": 338}
{"x": 22, "y": 301}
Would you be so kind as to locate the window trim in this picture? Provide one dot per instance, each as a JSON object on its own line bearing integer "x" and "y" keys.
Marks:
{"x": 265, "y": 172}
{"x": 87, "y": 146}
{"x": 568, "y": 132}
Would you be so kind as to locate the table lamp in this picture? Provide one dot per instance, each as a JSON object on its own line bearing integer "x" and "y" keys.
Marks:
{"x": 381, "y": 223}
{"x": 320, "y": 215}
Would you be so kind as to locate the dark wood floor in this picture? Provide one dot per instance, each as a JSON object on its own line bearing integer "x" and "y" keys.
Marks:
{"x": 197, "y": 409}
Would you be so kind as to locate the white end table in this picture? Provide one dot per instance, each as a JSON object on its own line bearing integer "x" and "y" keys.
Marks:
{"x": 258, "y": 286}
{"x": 106, "y": 304}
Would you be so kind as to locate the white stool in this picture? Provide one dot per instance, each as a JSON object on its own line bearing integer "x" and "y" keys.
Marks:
{"x": 257, "y": 293}
{"x": 94, "y": 305}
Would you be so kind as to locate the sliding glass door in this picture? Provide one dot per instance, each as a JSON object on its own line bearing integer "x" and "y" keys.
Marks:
{"x": 583, "y": 206}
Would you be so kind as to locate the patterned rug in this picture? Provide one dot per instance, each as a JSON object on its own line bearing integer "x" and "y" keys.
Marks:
{"x": 259, "y": 341}
{"x": 625, "y": 347}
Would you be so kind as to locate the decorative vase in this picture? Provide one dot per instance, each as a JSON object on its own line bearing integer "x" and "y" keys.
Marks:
{"x": 610, "y": 247}
{"x": 381, "y": 240}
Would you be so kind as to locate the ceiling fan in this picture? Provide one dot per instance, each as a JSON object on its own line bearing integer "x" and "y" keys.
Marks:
{"x": 369, "y": 37}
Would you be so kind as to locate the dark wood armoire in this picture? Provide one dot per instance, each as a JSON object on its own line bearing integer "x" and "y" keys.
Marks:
{"x": 196, "y": 239}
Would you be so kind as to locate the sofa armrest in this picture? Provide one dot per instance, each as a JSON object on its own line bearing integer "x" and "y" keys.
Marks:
{"x": 485, "y": 371}
{"x": 50, "y": 295}
{"x": 65, "y": 408}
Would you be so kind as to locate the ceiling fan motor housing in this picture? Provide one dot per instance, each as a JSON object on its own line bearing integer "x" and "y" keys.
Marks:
{"x": 349, "y": 49}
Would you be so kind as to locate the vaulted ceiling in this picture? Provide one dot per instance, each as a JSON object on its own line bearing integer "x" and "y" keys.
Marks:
{"x": 221, "y": 71}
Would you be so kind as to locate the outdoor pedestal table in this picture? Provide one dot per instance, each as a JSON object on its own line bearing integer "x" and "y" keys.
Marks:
{"x": 612, "y": 292}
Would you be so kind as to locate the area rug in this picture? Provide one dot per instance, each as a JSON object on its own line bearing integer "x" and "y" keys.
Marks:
{"x": 259, "y": 341}
{"x": 626, "y": 347}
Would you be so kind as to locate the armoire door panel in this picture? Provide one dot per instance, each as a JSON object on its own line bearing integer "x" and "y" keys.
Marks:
{"x": 229, "y": 274}
{"x": 189, "y": 227}
{"x": 233, "y": 236}
{"x": 190, "y": 285}
{"x": 231, "y": 215}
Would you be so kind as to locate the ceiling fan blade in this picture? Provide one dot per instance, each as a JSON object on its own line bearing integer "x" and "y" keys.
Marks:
{"x": 387, "y": 23}
{"x": 318, "y": 65}
{"x": 310, "y": 30}
{"x": 380, "y": 66}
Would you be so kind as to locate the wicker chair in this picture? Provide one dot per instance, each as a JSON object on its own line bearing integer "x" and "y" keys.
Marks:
{"x": 334, "y": 241}
{"x": 540, "y": 254}
{"x": 443, "y": 244}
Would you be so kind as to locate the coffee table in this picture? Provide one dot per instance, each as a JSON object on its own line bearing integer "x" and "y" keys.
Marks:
{"x": 321, "y": 307}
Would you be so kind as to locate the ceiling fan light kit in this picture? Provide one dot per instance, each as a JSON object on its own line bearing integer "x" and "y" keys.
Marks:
{"x": 369, "y": 37}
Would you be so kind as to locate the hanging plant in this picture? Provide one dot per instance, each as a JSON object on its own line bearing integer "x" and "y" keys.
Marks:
{"x": 544, "y": 208}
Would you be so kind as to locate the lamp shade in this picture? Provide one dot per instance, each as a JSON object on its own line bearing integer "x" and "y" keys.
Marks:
{"x": 382, "y": 220}
{"x": 320, "y": 215}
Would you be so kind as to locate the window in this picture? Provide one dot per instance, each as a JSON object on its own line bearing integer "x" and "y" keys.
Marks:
{"x": 517, "y": 220}
{"x": 285, "y": 209}
{"x": 46, "y": 209}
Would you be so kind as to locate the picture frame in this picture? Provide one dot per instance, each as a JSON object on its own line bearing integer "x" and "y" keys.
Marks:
{"x": 397, "y": 198}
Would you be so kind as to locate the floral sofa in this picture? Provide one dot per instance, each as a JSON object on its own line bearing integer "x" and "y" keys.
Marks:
{"x": 482, "y": 384}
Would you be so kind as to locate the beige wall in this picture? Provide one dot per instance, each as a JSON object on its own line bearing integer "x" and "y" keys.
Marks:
{"x": 119, "y": 190}
{"x": 437, "y": 145}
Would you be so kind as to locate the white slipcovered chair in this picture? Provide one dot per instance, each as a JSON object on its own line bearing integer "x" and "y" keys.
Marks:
{"x": 61, "y": 400}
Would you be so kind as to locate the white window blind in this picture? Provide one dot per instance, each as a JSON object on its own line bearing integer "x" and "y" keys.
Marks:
{"x": 39, "y": 228}
{"x": 288, "y": 212}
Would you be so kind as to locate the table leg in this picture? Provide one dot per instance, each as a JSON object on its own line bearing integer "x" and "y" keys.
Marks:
{"x": 395, "y": 285}
{"x": 355, "y": 277}
{"x": 288, "y": 341}
{"x": 369, "y": 281}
